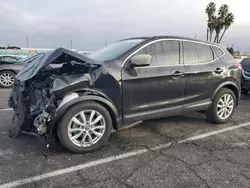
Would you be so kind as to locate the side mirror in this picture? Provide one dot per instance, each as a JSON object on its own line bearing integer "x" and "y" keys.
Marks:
{"x": 140, "y": 60}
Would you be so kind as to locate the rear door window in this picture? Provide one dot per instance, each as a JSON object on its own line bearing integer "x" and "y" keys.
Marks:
{"x": 205, "y": 53}
{"x": 163, "y": 53}
{"x": 190, "y": 53}
{"x": 195, "y": 53}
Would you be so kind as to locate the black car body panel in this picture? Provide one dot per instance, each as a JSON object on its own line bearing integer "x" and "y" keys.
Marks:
{"x": 52, "y": 83}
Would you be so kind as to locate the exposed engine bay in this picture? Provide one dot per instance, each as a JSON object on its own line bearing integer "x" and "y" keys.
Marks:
{"x": 42, "y": 85}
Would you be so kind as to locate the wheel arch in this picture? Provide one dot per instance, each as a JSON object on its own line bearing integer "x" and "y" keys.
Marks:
{"x": 229, "y": 85}
{"x": 10, "y": 70}
{"x": 116, "y": 120}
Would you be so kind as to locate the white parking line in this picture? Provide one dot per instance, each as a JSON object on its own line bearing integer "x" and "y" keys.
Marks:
{"x": 114, "y": 158}
{"x": 6, "y": 109}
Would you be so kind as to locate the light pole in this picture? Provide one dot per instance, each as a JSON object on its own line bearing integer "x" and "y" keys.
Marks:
{"x": 27, "y": 42}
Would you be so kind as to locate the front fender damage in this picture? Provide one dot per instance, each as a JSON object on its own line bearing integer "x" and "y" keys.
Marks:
{"x": 35, "y": 98}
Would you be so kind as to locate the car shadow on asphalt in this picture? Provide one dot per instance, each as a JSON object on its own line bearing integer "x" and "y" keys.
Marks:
{"x": 164, "y": 129}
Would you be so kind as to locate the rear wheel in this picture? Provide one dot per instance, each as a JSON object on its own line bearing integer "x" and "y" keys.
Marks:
{"x": 7, "y": 79}
{"x": 223, "y": 106}
{"x": 85, "y": 127}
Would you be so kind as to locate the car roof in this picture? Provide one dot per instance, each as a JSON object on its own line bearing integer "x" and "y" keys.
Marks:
{"x": 246, "y": 60}
{"x": 151, "y": 38}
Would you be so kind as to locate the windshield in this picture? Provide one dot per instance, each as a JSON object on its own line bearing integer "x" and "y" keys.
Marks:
{"x": 114, "y": 50}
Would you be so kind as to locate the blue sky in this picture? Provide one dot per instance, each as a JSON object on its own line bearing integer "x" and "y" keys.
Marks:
{"x": 50, "y": 24}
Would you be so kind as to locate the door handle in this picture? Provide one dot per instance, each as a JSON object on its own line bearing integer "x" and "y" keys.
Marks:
{"x": 218, "y": 70}
{"x": 177, "y": 74}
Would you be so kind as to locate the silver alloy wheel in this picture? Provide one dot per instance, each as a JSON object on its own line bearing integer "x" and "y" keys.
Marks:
{"x": 7, "y": 79}
{"x": 225, "y": 106}
{"x": 86, "y": 128}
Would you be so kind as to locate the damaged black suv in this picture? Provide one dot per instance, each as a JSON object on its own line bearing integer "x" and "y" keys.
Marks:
{"x": 81, "y": 99}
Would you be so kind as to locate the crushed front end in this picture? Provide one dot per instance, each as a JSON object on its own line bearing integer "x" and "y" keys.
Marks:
{"x": 42, "y": 85}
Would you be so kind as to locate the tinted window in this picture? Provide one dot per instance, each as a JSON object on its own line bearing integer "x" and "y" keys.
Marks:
{"x": 114, "y": 50}
{"x": 163, "y": 52}
{"x": 218, "y": 51}
{"x": 197, "y": 53}
{"x": 190, "y": 53}
{"x": 9, "y": 59}
{"x": 205, "y": 53}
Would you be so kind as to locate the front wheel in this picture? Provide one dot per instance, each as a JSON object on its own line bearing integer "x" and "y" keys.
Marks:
{"x": 222, "y": 107}
{"x": 85, "y": 127}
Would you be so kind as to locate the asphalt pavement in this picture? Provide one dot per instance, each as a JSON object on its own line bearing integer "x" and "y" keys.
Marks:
{"x": 152, "y": 154}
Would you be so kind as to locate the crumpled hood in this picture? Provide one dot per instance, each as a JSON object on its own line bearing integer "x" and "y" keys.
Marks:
{"x": 57, "y": 56}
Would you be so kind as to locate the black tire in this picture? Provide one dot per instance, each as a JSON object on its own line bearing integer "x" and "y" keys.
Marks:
{"x": 212, "y": 111}
{"x": 62, "y": 129}
{"x": 10, "y": 73}
{"x": 244, "y": 91}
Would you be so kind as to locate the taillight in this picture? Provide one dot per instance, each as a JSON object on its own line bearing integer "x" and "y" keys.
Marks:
{"x": 239, "y": 65}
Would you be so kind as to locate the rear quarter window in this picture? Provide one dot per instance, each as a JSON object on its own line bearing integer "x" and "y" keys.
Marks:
{"x": 218, "y": 52}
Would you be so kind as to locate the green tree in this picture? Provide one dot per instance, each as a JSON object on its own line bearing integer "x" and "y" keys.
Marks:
{"x": 210, "y": 11}
{"x": 219, "y": 22}
{"x": 229, "y": 20}
{"x": 212, "y": 26}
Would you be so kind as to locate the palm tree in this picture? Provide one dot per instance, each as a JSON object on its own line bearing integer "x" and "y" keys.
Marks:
{"x": 229, "y": 20}
{"x": 220, "y": 21}
{"x": 223, "y": 11}
{"x": 211, "y": 26}
{"x": 218, "y": 25}
{"x": 210, "y": 11}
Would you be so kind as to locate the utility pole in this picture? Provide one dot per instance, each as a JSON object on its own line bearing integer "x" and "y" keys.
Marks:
{"x": 71, "y": 44}
{"x": 27, "y": 42}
